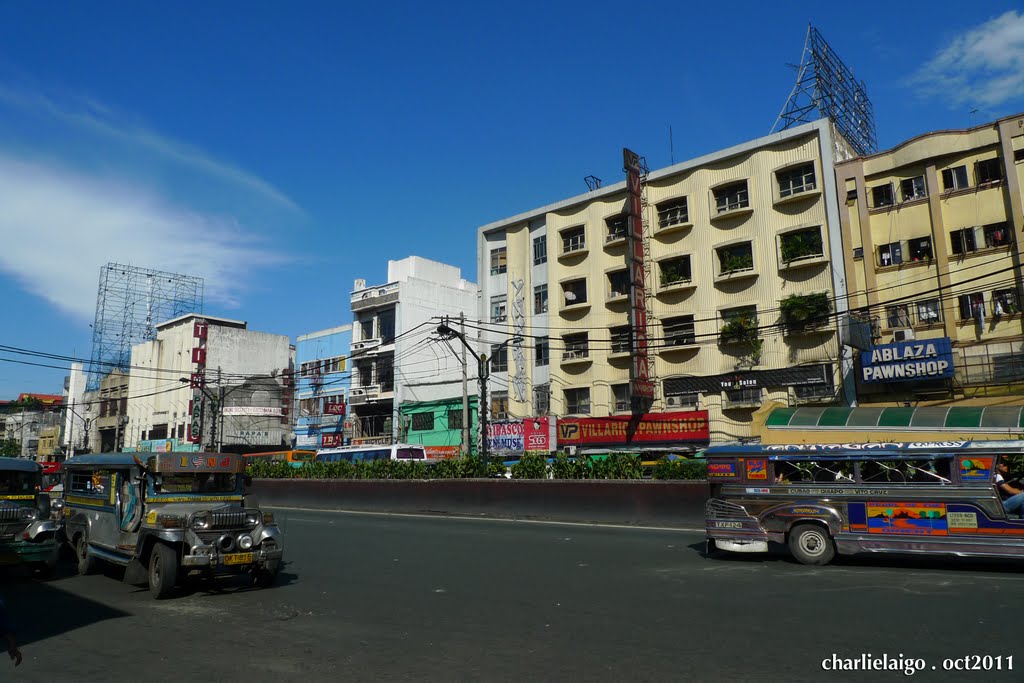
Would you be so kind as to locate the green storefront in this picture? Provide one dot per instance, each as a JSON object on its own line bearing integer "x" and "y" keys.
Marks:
{"x": 437, "y": 425}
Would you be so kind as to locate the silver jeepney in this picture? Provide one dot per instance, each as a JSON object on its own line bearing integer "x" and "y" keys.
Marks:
{"x": 27, "y": 529}
{"x": 173, "y": 516}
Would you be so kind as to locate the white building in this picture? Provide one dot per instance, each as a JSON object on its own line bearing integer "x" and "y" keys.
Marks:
{"x": 243, "y": 370}
{"x": 396, "y": 356}
{"x": 73, "y": 437}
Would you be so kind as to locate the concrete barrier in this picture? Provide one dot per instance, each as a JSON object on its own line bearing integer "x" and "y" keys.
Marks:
{"x": 649, "y": 503}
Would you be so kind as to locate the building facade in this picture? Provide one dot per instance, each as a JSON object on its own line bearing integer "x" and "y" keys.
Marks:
{"x": 73, "y": 437}
{"x": 232, "y": 383}
{"x": 932, "y": 234}
{"x": 321, "y": 388}
{"x": 396, "y": 356}
{"x": 744, "y": 282}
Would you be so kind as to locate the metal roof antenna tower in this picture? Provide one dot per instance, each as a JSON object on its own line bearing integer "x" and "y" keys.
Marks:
{"x": 130, "y": 302}
{"x": 826, "y": 88}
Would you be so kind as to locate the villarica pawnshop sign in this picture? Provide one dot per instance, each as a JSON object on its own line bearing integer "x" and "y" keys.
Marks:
{"x": 908, "y": 361}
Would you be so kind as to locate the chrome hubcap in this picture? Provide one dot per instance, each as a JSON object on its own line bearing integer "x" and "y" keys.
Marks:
{"x": 812, "y": 543}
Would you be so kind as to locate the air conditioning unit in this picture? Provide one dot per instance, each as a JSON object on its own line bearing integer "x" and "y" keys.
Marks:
{"x": 673, "y": 401}
{"x": 903, "y": 334}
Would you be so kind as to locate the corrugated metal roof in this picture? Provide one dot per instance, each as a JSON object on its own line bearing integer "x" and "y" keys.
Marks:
{"x": 928, "y": 418}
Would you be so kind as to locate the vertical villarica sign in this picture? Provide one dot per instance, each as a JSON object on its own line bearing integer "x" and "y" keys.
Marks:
{"x": 908, "y": 361}
{"x": 640, "y": 369}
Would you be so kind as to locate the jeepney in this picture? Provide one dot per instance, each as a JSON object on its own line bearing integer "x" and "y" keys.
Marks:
{"x": 27, "y": 529}
{"x": 823, "y": 499}
{"x": 171, "y": 517}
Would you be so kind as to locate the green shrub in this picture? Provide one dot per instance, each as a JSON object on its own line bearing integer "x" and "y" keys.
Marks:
{"x": 530, "y": 466}
{"x": 565, "y": 467}
{"x": 680, "y": 469}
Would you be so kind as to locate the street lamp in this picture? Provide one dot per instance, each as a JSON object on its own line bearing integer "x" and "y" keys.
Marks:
{"x": 483, "y": 373}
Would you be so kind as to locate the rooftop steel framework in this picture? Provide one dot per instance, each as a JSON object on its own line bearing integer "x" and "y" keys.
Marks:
{"x": 826, "y": 88}
{"x": 130, "y": 303}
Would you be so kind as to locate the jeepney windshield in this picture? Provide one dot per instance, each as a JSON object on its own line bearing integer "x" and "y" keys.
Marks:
{"x": 18, "y": 482}
{"x": 198, "y": 482}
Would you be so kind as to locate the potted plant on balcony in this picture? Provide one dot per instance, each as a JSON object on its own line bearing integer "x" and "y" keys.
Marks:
{"x": 804, "y": 311}
{"x": 741, "y": 329}
{"x": 801, "y": 245}
{"x": 735, "y": 260}
{"x": 673, "y": 274}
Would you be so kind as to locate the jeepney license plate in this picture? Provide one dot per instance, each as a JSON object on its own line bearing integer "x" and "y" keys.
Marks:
{"x": 238, "y": 558}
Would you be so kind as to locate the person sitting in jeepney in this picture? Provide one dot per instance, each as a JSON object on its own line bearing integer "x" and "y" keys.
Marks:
{"x": 1009, "y": 490}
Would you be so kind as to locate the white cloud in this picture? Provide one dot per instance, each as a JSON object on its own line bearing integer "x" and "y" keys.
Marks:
{"x": 59, "y": 226}
{"x": 984, "y": 66}
{"x": 93, "y": 117}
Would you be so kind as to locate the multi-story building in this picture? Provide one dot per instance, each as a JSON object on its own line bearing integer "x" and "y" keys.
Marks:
{"x": 931, "y": 234}
{"x": 744, "y": 280}
{"x": 398, "y": 364}
{"x": 321, "y": 388}
{"x": 73, "y": 437}
{"x": 105, "y": 413}
{"x": 29, "y": 421}
{"x": 232, "y": 383}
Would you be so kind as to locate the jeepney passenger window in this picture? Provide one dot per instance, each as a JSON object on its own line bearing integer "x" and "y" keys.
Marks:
{"x": 94, "y": 483}
{"x": 927, "y": 471}
{"x": 881, "y": 472}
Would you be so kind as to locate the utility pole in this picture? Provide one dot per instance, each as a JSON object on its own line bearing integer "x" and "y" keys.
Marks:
{"x": 220, "y": 412}
{"x": 483, "y": 372}
{"x": 465, "y": 389}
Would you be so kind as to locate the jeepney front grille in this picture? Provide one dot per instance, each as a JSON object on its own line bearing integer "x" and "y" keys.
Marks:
{"x": 227, "y": 520}
{"x": 9, "y": 514}
{"x": 721, "y": 509}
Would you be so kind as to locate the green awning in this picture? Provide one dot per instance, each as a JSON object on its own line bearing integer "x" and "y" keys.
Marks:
{"x": 981, "y": 418}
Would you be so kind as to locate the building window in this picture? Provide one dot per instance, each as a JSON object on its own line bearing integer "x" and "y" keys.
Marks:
{"x": 989, "y": 171}
{"x": 674, "y": 271}
{"x": 858, "y": 252}
{"x": 913, "y": 188}
{"x": 1005, "y": 302}
{"x": 732, "y": 197}
{"x": 744, "y": 396}
{"x": 573, "y": 239}
{"x": 543, "y": 351}
{"x": 616, "y": 226}
{"x": 386, "y": 326}
{"x": 576, "y": 346}
{"x": 541, "y": 399}
{"x": 366, "y": 329}
{"x": 920, "y": 249}
{"x": 455, "y": 419}
{"x": 620, "y": 396}
{"x": 540, "y": 299}
{"x": 851, "y": 195}
{"x": 810, "y": 392}
{"x": 799, "y": 245}
{"x": 680, "y": 399}
{"x": 962, "y": 241}
{"x": 423, "y": 421}
{"x": 735, "y": 258}
{"x": 929, "y": 312}
{"x": 679, "y": 331}
{"x": 674, "y": 212}
{"x": 618, "y": 283}
{"x": 540, "y": 250}
{"x": 499, "y": 357}
{"x": 577, "y": 401}
{"x": 897, "y": 316}
{"x": 997, "y": 234}
{"x": 498, "y": 260}
{"x": 1018, "y": 154}
{"x": 620, "y": 339}
{"x": 795, "y": 180}
{"x": 890, "y": 254}
{"x": 575, "y": 292}
{"x": 954, "y": 178}
{"x": 972, "y": 306}
{"x": 739, "y": 325}
{"x": 881, "y": 195}
{"x": 499, "y": 405}
{"x": 499, "y": 309}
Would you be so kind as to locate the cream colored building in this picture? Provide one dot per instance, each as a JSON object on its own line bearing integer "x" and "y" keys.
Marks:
{"x": 728, "y": 237}
{"x": 932, "y": 230}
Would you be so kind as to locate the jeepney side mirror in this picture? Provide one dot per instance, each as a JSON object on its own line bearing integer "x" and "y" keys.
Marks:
{"x": 43, "y": 504}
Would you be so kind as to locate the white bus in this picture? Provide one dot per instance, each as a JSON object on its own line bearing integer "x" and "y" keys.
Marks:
{"x": 368, "y": 452}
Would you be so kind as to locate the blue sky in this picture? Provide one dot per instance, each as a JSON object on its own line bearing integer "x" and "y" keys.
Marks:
{"x": 281, "y": 151}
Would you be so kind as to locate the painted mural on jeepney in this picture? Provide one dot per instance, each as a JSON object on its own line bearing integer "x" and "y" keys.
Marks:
{"x": 976, "y": 469}
{"x": 757, "y": 468}
{"x": 200, "y": 462}
{"x": 909, "y": 518}
{"x": 721, "y": 469}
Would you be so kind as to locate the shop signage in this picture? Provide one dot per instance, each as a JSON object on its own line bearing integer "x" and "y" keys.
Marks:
{"x": 331, "y": 440}
{"x": 334, "y": 408}
{"x": 374, "y": 440}
{"x": 257, "y": 411}
{"x": 537, "y": 435}
{"x": 801, "y": 375}
{"x": 640, "y": 384}
{"x": 505, "y": 436}
{"x": 195, "y": 428}
{"x": 442, "y": 452}
{"x": 688, "y": 426}
{"x": 908, "y": 361}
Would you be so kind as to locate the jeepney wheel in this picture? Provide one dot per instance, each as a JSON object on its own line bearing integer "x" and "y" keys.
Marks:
{"x": 163, "y": 571}
{"x": 811, "y": 544}
{"x": 264, "y": 578}
{"x": 86, "y": 562}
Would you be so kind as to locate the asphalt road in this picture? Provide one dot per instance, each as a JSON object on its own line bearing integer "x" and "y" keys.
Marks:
{"x": 375, "y": 597}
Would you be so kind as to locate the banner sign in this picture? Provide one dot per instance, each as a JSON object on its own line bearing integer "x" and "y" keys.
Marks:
{"x": 908, "y": 361}
{"x": 685, "y": 426}
{"x": 537, "y": 435}
{"x": 640, "y": 384}
{"x": 259, "y": 411}
{"x": 334, "y": 408}
{"x": 331, "y": 440}
{"x": 505, "y": 436}
{"x": 443, "y": 452}
{"x": 195, "y": 430}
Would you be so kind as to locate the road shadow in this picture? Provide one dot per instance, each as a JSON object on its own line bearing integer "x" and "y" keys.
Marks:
{"x": 41, "y": 610}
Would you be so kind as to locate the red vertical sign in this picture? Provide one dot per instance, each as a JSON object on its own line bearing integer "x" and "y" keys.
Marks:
{"x": 640, "y": 369}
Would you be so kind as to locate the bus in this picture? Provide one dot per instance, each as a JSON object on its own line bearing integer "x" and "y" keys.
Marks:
{"x": 898, "y": 497}
{"x": 293, "y": 458}
{"x": 368, "y": 452}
